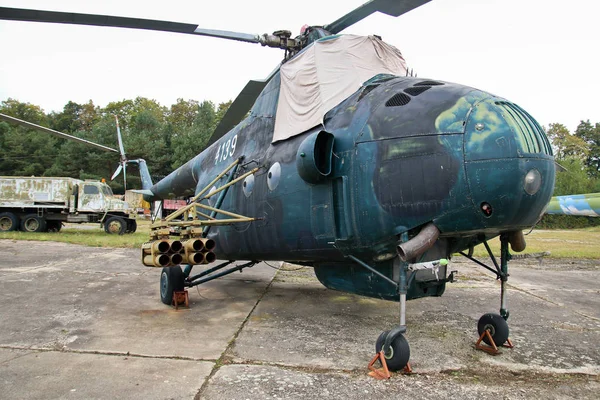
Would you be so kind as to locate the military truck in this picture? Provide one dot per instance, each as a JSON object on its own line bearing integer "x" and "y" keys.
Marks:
{"x": 42, "y": 204}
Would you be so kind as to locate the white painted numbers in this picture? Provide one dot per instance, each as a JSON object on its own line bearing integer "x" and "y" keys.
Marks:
{"x": 226, "y": 150}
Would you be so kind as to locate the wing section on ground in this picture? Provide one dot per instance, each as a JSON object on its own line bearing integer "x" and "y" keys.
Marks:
{"x": 586, "y": 205}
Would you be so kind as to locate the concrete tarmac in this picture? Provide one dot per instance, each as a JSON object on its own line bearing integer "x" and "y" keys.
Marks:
{"x": 87, "y": 323}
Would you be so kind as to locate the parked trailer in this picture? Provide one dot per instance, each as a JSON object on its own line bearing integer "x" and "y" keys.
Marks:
{"x": 42, "y": 204}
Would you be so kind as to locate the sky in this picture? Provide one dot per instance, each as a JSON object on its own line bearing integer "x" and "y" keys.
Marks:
{"x": 540, "y": 54}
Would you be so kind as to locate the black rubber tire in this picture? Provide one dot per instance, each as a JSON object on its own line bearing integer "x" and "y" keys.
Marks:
{"x": 131, "y": 226}
{"x": 400, "y": 351}
{"x": 8, "y": 222}
{"x": 115, "y": 225}
{"x": 171, "y": 280}
{"x": 497, "y": 326}
{"x": 53, "y": 226}
{"x": 33, "y": 223}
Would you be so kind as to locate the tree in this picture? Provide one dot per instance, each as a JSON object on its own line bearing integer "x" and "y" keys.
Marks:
{"x": 590, "y": 134}
{"x": 573, "y": 179}
{"x": 565, "y": 144}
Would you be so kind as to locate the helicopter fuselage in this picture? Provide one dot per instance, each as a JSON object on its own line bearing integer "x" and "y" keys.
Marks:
{"x": 399, "y": 153}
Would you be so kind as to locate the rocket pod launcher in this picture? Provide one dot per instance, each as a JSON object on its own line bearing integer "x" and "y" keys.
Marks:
{"x": 190, "y": 225}
{"x": 170, "y": 253}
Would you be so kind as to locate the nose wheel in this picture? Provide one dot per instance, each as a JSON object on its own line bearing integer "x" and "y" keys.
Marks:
{"x": 398, "y": 353}
{"x": 493, "y": 328}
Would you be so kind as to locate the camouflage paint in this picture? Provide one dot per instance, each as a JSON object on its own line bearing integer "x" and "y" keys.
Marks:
{"x": 587, "y": 205}
{"x": 397, "y": 166}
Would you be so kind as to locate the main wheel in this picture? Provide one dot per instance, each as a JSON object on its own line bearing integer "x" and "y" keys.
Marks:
{"x": 54, "y": 226}
{"x": 171, "y": 280}
{"x": 399, "y": 353}
{"x": 131, "y": 226}
{"x": 8, "y": 222}
{"x": 33, "y": 223}
{"x": 115, "y": 225}
{"x": 497, "y": 326}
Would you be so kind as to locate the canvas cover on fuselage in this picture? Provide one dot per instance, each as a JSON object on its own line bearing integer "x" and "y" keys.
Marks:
{"x": 325, "y": 74}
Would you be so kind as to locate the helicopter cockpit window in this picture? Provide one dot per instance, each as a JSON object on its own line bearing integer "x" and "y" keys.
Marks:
{"x": 90, "y": 189}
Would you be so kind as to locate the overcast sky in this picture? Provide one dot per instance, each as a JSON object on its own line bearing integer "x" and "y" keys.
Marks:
{"x": 541, "y": 54}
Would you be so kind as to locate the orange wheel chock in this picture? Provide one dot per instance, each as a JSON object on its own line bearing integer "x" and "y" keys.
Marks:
{"x": 384, "y": 372}
{"x": 491, "y": 349}
{"x": 179, "y": 298}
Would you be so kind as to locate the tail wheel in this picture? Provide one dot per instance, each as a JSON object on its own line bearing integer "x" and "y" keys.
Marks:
{"x": 171, "y": 280}
{"x": 33, "y": 223}
{"x": 8, "y": 222}
{"x": 115, "y": 226}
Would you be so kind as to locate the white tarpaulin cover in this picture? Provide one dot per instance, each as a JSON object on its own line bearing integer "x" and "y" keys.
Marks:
{"x": 325, "y": 74}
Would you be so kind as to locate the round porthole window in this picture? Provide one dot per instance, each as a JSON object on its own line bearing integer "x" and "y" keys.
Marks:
{"x": 274, "y": 176}
{"x": 248, "y": 185}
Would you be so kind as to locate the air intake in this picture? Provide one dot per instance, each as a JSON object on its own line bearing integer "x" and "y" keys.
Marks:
{"x": 416, "y": 90}
{"x": 399, "y": 99}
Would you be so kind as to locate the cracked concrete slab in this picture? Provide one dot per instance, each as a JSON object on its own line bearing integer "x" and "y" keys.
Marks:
{"x": 84, "y": 309}
{"x": 299, "y": 323}
{"x": 60, "y": 375}
{"x": 270, "y": 382}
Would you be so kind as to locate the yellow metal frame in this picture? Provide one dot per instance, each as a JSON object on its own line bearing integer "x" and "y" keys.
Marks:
{"x": 193, "y": 216}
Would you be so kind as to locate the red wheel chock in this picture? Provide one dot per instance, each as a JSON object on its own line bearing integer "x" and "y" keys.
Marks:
{"x": 180, "y": 297}
{"x": 492, "y": 349}
{"x": 384, "y": 372}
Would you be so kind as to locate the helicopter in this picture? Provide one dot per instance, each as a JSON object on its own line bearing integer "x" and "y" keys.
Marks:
{"x": 343, "y": 161}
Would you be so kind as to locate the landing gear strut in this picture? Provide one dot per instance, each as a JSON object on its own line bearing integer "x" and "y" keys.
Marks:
{"x": 493, "y": 328}
{"x": 392, "y": 347}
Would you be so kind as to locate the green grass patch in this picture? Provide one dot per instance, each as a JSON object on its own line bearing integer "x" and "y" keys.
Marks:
{"x": 561, "y": 243}
{"x": 86, "y": 235}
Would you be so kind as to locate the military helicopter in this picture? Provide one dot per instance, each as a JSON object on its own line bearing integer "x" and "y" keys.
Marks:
{"x": 346, "y": 163}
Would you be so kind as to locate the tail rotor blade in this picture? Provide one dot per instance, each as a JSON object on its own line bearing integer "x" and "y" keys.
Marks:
{"x": 120, "y": 139}
{"x": 117, "y": 172}
{"x": 125, "y": 175}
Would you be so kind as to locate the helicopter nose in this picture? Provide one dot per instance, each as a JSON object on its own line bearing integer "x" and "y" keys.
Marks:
{"x": 508, "y": 164}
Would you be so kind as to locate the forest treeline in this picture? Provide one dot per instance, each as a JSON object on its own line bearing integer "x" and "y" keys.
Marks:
{"x": 167, "y": 137}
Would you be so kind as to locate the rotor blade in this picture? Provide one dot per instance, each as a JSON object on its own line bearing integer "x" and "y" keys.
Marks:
{"x": 395, "y": 8}
{"x": 21, "y": 14}
{"x": 120, "y": 140}
{"x": 117, "y": 172}
{"x": 240, "y": 106}
{"x": 8, "y": 118}
{"x": 125, "y": 175}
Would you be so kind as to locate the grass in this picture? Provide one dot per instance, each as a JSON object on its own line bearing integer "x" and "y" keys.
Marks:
{"x": 563, "y": 243}
{"x": 87, "y": 235}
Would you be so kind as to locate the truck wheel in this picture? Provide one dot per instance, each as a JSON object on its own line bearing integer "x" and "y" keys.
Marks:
{"x": 54, "y": 226}
{"x": 33, "y": 223}
{"x": 115, "y": 225}
{"x": 8, "y": 222}
{"x": 131, "y": 226}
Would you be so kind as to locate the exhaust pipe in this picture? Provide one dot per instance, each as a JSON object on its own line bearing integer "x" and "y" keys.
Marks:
{"x": 420, "y": 243}
{"x": 517, "y": 241}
